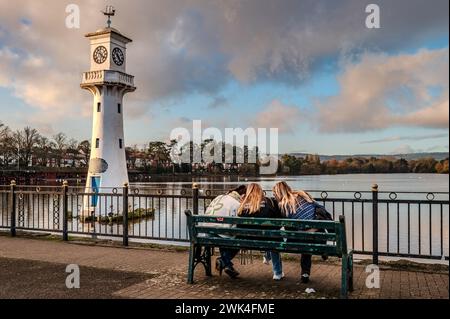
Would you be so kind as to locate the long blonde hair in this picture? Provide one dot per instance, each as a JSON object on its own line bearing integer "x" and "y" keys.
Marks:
{"x": 252, "y": 199}
{"x": 288, "y": 200}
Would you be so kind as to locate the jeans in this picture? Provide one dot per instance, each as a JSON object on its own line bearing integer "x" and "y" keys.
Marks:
{"x": 226, "y": 255}
{"x": 277, "y": 265}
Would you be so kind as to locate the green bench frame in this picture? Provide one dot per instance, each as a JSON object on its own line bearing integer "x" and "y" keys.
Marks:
{"x": 205, "y": 235}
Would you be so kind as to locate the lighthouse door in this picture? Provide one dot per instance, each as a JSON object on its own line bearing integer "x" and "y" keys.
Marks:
{"x": 95, "y": 184}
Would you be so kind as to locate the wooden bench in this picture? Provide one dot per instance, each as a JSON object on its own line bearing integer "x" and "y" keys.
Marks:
{"x": 205, "y": 234}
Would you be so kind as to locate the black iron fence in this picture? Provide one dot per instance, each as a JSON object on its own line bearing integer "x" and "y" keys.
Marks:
{"x": 402, "y": 224}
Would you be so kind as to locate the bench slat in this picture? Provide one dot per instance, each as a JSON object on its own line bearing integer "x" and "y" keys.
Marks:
{"x": 267, "y": 233}
{"x": 278, "y": 222}
{"x": 294, "y": 247}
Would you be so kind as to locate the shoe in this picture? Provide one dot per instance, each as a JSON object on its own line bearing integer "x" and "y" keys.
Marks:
{"x": 219, "y": 266}
{"x": 305, "y": 278}
{"x": 230, "y": 271}
{"x": 278, "y": 277}
{"x": 265, "y": 261}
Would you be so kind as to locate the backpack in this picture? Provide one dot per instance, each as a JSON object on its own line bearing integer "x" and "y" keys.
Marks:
{"x": 321, "y": 213}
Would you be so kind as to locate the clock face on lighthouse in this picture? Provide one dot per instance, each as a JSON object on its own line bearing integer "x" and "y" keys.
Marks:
{"x": 100, "y": 54}
{"x": 117, "y": 56}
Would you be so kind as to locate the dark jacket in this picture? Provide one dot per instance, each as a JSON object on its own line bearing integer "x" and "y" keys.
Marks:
{"x": 269, "y": 209}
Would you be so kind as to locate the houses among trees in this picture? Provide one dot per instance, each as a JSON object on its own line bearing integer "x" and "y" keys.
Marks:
{"x": 27, "y": 148}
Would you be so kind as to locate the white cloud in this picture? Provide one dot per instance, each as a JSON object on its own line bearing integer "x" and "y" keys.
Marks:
{"x": 380, "y": 91}
{"x": 408, "y": 149}
{"x": 277, "y": 115}
{"x": 33, "y": 80}
{"x": 435, "y": 115}
{"x": 407, "y": 138}
{"x": 404, "y": 149}
{"x": 195, "y": 46}
{"x": 8, "y": 59}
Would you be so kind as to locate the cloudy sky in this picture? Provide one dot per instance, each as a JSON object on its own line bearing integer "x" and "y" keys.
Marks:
{"x": 308, "y": 67}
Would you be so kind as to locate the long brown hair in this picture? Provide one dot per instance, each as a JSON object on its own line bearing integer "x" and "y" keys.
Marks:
{"x": 241, "y": 190}
{"x": 252, "y": 199}
{"x": 288, "y": 200}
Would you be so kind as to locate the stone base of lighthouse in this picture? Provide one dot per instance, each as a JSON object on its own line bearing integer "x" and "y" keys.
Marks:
{"x": 102, "y": 201}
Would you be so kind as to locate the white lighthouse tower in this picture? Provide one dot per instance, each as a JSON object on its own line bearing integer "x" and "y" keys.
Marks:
{"x": 108, "y": 82}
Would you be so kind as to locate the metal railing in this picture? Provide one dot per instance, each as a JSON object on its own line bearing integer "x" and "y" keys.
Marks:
{"x": 402, "y": 224}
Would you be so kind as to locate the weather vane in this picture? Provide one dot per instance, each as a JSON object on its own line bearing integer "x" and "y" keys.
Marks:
{"x": 109, "y": 12}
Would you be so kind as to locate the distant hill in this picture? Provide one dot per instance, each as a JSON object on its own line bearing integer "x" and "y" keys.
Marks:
{"x": 412, "y": 156}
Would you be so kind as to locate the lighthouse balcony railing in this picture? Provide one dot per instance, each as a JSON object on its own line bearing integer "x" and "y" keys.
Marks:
{"x": 107, "y": 76}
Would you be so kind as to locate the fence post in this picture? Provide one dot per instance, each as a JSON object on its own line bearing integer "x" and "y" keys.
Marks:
{"x": 125, "y": 214}
{"x": 195, "y": 199}
{"x": 65, "y": 189}
{"x": 375, "y": 224}
{"x": 13, "y": 208}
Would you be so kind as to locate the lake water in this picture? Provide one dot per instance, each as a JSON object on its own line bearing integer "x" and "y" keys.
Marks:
{"x": 436, "y": 183}
{"x": 403, "y": 227}
{"x": 350, "y": 182}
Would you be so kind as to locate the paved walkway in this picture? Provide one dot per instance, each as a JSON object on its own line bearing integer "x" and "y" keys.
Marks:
{"x": 165, "y": 272}
{"x": 30, "y": 279}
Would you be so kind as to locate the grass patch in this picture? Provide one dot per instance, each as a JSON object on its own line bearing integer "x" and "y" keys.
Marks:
{"x": 135, "y": 216}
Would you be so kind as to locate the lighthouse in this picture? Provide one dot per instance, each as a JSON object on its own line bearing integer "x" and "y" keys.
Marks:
{"x": 108, "y": 82}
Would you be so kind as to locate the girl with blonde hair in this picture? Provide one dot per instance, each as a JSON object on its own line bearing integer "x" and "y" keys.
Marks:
{"x": 256, "y": 205}
{"x": 296, "y": 205}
